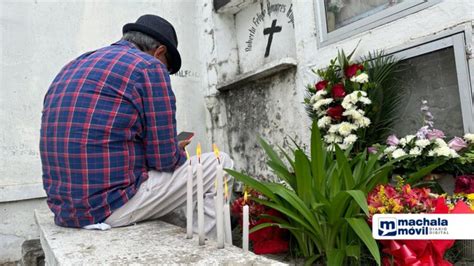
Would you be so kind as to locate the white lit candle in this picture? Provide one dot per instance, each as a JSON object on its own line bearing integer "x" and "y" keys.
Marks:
{"x": 227, "y": 223}
{"x": 189, "y": 200}
{"x": 245, "y": 225}
{"x": 219, "y": 201}
{"x": 200, "y": 196}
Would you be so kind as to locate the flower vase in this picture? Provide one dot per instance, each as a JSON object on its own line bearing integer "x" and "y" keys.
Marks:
{"x": 331, "y": 21}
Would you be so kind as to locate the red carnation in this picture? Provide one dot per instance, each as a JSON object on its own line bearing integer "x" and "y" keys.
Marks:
{"x": 351, "y": 70}
{"x": 321, "y": 85}
{"x": 464, "y": 184}
{"x": 335, "y": 112}
{"x": 338, "y": 91}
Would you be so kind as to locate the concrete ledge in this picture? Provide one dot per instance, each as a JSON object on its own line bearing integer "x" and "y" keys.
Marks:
{"x": 153, "y": 242}
{"x": 263, "y": 72}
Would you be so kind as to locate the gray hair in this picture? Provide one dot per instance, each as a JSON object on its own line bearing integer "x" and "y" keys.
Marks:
{"x": 141, "y": 40}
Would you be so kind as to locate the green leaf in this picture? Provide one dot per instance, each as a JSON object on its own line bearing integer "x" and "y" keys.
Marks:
{"x": 345, "y": 168}
{"x": 304, "y": 185}
{"x": 353, "y": 251}
{"x": 361, "y": 228}
{"x": 288, "y": 158}
{"x": 335, "y": 257}
{"x": 309, "y": 261}
{"x": 413, "y": 178}
{"x": 283, "y": 173}
{"x": 318, "y": 154}
{"x": 265, "y": 225}
{"x": 271, "y": 153}
{"x": 296, "y": 202}
{"x": 360, "y": 198}
{"x": 257, "y": 185}
{"x": 289, "y": 213}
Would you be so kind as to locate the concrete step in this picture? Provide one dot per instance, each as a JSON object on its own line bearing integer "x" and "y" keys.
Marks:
{"x": 153, "y": 242}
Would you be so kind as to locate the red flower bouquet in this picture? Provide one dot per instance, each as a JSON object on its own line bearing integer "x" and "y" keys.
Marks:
{"x": 269, "y": 240}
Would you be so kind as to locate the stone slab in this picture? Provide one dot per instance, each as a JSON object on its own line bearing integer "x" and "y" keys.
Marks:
{"x": 153, "y": 242}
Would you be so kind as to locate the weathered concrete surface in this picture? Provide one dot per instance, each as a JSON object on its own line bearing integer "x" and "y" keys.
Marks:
{"x": 17, "y": 224}
{"x": 153, "y": 242}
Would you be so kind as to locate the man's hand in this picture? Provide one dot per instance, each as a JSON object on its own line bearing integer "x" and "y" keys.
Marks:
{"x": 182, "y": 144}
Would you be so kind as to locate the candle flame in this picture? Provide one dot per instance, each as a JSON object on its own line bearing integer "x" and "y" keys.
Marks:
{"x": 226, "y": 188}
{"x": 198, "y": 151}
{"x": 245, "y": 196}
{"x": 216, "y": 151}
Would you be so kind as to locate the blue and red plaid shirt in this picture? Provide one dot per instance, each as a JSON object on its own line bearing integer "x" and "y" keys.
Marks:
{"x": 108, "y": 118}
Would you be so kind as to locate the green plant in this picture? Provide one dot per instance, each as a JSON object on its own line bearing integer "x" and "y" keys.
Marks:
{"x": 324, "y": 199}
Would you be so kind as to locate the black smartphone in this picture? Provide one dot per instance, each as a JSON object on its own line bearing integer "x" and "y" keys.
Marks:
{"x": 185, "y": 135}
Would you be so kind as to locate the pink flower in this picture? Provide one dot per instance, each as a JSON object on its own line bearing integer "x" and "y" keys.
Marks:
{"x": 457, "y": 144}
{"x": 435, "y": 134}
{"x": 392, "y": 140}
{"x": 372, "y": 150}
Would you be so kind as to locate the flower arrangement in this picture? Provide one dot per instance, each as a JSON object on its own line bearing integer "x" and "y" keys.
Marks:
{"x": 417, "y": 150}
{"x": 347, "y": 100}
{"x": 269, "y": 240}
{"x": 401, "y": 198}
{"x": 339, "y": 102}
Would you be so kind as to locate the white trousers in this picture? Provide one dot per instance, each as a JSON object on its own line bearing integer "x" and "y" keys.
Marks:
{"x": 165, "y": 192}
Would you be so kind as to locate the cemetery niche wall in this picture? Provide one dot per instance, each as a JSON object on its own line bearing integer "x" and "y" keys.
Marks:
{"x": 259, "y": 94}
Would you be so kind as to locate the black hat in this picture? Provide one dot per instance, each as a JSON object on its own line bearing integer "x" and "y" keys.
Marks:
{"x": 161, "y": 30}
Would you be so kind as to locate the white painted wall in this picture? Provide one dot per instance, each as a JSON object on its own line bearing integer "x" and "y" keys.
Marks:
{"x": 38, "y": 37}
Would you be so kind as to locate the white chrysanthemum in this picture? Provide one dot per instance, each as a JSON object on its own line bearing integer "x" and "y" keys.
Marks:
{"x": 362, "y": 122}
{"x": 343, "y": 146}
{"x": 361, "y": 78}
{"x": 346, "y": 128}
{"x": 333, "y": 128}
{"x": 405, "y": 140}
{"x": 398, "y": 153}
{"x": 422, "y": 143}
{"x": 469, "y": 137}
{"x": 321, "y": 93}
{"x": 347, "y": 105}
{"x": 441, "y": 143}
{"x": 415, "y": 151}
{"x": 322, "y": 102}
{"x": 445, "y": 151}
{"x": 390, "y": 149}
{"x": 431, "y": 153}
{"x": 324, "y": 121}
{"x": 349, "y": 140}
{"x": 365, "y": 100}
{"x": 332, "y": 138}
{"x": 354, "y": 113}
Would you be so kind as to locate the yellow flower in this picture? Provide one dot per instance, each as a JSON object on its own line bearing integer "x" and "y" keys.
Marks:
{"x": 397, "y": 208}
{"x": 470, "y": 196}
{"x": 382, "y": 209}
{"x": 372, "y": 209}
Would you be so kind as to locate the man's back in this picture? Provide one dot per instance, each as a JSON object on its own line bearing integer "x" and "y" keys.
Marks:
{"x": 108, "y": 117}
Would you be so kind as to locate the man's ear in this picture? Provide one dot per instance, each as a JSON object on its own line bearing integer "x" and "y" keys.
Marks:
{"x": 160, "y": 51}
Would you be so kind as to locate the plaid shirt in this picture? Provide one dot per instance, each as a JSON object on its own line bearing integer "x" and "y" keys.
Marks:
{"x": 108, "y": 118}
